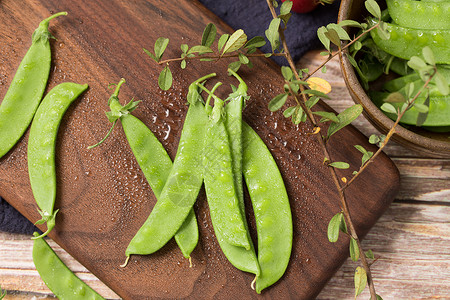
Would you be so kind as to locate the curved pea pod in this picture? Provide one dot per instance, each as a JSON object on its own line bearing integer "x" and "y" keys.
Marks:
{"x": 407, "y": 42}
{"x": 27, "y": 87}
{"x": 271, "y": 207}
{"x": 41, "y": 147}
{"x": 57, "y": 276}
{"x": 420, "y": 14}
{"x": 156, "y": 164}
{"x": 180, "y": 190}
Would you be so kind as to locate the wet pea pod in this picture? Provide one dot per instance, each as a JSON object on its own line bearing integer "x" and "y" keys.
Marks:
{"x": 183, "y": 182}
{"x": 41, "y": 147}
{"x": 241, "y": 258}
{"x": 57, "y": 276}
{"x": 27, "y": 87}
{"x": 407, "y": 42}
{"x": 153, "y": 160}
{"x": 220, "y": 187}
{"x": 420, "y": 14}
{"x": 271, "y": 208}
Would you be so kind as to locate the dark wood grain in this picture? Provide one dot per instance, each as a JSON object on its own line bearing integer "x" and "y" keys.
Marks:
{"x": 102, "y": 194}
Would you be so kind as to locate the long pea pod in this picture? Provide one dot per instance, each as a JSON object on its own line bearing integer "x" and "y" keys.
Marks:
{"x": 154, "y": 162}
{"x": 27, "y": 87}
{"x": 243, "y": 259}
{"x": 219, "y": 182}
{"x": 271, "y": 208}
{"x": 183, "y": 183}
{"x": 57, "y": 276}
{"x": 41, "y": 147}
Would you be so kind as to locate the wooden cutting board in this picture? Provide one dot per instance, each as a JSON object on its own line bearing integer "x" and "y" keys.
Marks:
{"x": 102, "y": 194}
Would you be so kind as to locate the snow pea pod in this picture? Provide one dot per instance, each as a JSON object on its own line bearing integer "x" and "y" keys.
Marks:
{"x": 154, "y": 162}
{"x": 57, "y": 276}
{"x": 407, "y": 42}
{"x": 219, "y": 183}
{"x": 41, "y": 147}
{"x": 183, "y": 183}
{"x": 420, "y": 14}
{"x": 27, "y": 87}
{"x": 271, "y": 208}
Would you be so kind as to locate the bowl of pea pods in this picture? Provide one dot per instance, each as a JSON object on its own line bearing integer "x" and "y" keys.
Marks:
{"x": 409, "y": 65}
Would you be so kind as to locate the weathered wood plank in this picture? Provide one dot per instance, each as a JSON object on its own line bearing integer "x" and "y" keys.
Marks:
{"x": 412, "y": 242}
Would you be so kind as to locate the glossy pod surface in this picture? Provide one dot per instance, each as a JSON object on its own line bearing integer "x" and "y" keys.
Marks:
{"x": 26, "y": 89}
{"x": 42, "y": 143}
{"x": 406, "y": 42}
{"x": 156, "y": 164}
{"x": 180, "y": 191}
{"x": 57, "y": 276}
{"x": 271, "y": 208}
{"x": 220, "y": 188}
{"x": 420, "y": 14}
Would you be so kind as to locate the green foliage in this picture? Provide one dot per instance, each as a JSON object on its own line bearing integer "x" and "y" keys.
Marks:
{"x": 273, "y": 35}
{"x": 235, "y": 42}
{"x": 165, "y": 79}
{"x": 345, "y": 118}
{"x": 339, "y": 165}
{"x": 354, "y": 249}
{"x": 360, "y": 279}
{"x": 209, "y": 35}
{"x": 277, "y": 102}
{"x": 2, "y": 293}
{"x": 369, "y": 254}
{"x": 334, "y": 227}
{"x": 366, "y": 154}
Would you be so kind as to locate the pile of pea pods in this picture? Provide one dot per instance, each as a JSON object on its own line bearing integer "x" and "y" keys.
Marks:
{"x": 412, "y": 25}
{"x": 216, "y": 148}
{"x": 219, "y": 150}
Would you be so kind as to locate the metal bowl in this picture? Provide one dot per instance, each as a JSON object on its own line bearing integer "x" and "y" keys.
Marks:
{"x": 427, "y": 143}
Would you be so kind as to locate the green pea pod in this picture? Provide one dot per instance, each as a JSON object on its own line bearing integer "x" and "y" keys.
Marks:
{"x": 182, "y": 185}
{"x": 220, "y": 188}
{"x": 57, "y": 276}
{"x": 420, "y": 14}
{"x": 27, "y": 87}
{"x": 271, "y": 207}
{"x": 406, "y": 42}
{"x": 41, "y": 147}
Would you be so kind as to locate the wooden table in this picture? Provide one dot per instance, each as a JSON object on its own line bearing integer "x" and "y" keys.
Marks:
{"x": 412, "y": 239}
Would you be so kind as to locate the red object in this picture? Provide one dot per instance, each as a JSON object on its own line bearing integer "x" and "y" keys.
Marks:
{"x": 303, "y": 6}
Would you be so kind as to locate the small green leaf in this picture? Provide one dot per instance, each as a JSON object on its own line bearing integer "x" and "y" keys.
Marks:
{"x": 343, "y": 225}
{"x": 420, "y": 107}
{"x": 343, "y": 35}
{"x": 222, "y": 40}
{"x": 360, "y": 280}
{"x": 417, "y": 63}
{"x": 379, "y": 297}
{"x": 316, "y": 93}
{"x": 357, "y": 45}
{"x": 200, "y": 49}
{"x": 267, "y": 55}
{"x": 389, "y": 108}
{"x": 324, "y": 69}
{"x": 151, "y": 55}
{"x": 183, "y": 64}
{"x": 374, "y": 139}
{"x": 287, "y": 73}
{"x": 383, "y": 31}
{"x": 428, "y": 55}
{"x": 361, "y": 149}
{"x": 272, "y": 33}
{"x": 333, "y": 36}
{"x": 312, "y": 101}
{"x": 395, "y": 97}
{"x": 277, "y": 102}
{"x": 243, "y": 59}
{"x": 289, "y": 111}
{"x": 328, "y": 116}
{"x": 286, "y": 7}
{"x": 165, "y": 79}
{"x": 298, "y": 116}
{"x": 209, "y": 35}
{"x": 369, "y": 254}
{"x": 345, "y": 118}
{"x": 323, "y": 38}
{"x": 184, "y": 48}
{"x": 373, "y": 8}
{"x": 350, "y": 23}
{"x": 324, "y": 53}
{"x": 235, "y": 42}
{"x": 255, "y": 42}
{"x": 442, "y": 84}
{"x": 339, "y": 165}
{"x": 160, "y": 46}
{"x": 409, "y": 89}
{"x": 354, "y": 249}
{"x": 333, "y": 227}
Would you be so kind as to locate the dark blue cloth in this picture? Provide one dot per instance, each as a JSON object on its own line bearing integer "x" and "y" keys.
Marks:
{"x": 253, "y": 17}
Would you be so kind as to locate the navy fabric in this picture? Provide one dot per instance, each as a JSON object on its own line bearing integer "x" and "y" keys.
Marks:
{"x": 253, "y": 17}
